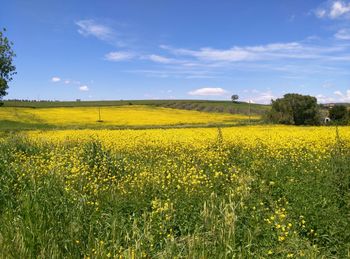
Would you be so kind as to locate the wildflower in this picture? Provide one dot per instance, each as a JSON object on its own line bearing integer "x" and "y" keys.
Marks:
{"x": 281, "y": 238}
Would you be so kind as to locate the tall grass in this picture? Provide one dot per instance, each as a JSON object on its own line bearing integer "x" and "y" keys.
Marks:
{"x": 256, "y": 206}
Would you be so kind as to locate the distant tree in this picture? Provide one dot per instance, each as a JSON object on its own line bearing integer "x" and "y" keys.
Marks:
{"x": 295, "y": 109}
{"x": 339, "y": 113}
{"x": 7, "y": 69}
{"x": 234, "y": 98}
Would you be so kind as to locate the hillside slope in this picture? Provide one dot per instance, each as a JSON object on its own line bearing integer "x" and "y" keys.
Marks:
{"x": 198, "y": 105}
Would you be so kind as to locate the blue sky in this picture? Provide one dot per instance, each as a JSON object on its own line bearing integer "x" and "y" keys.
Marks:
{"x": 162, "y": 49}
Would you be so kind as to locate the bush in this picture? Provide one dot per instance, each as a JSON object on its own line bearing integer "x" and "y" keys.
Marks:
{"x": 339, "y": 113}
{"x": 295, "y": 109}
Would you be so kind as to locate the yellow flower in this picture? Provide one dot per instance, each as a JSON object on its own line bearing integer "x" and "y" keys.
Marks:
{"x": 281, "y": 238}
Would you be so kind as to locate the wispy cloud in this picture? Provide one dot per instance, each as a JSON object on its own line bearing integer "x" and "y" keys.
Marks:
{"x": 339, "y": 96}
{"x": 334, "y": 10}
{"x": 257, "y": 96}
{"x": 84, "y": 88}
{"x": 343, "y": 97}
{"x": 161, "y": 59}
{"x": 112, "y": 35}
{"x": 208, "y": 91}
{"x": 92, "y": 28}
{"x": 324, "y": 99}
{"x": 208, "y": 62}
{"x": 119, "y": 56}
{"x": 343, "y": 34}
{"x": 286, "y": 59}
{"x": 55, "y": 79}
{"x": 264, "y": 97}
{"x": 274, "y": 51}
{"x": 176, "y": 72}
{"x": 69, "y": 82}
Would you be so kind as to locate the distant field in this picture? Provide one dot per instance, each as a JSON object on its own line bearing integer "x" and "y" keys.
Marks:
{"x": 113, "y": 116}
{"x": 199, "y": 105}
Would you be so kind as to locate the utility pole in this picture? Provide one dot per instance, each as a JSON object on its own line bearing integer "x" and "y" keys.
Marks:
{"x": 99, "y": 114}
{"x": 249, "y": 111}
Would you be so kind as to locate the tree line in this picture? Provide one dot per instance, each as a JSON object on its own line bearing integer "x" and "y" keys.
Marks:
{"x": 297, "y": 109}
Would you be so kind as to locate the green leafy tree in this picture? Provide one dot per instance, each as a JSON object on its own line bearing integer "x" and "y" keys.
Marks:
{"x": 234, "y": 98}
{"x": 295, "y": 109}
{"x": 339, "y": 113}
{"x": 7, "y": 68}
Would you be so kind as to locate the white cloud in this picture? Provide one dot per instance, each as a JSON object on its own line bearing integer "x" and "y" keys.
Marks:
{"x": 55, "y": 79}
{"x": 334, "y": 10}
{"x": 338, "y": 93}
{"x": 264, "y": 97}
{"x": 339, "y": 8}
{"x": 267, "y": 96}
{"x": 207, "y": 91}
{"x": 210, "y": 54}
{"x": 320, "y": 13}
{"x": 160, "y": 59}
{"x": 273, "y": 51}
{"x": 67, "y": 82}
{"x": 324, "y": 99}
{"x": 176, "y": 72}
{"x": 343, "y": 97}
{"x": 286, "y": 58}
{"x": 91, "y": 28}
{"x": 119, "y": 56}
{"x": 343, "y": 34}
{"x": 84, "y": 88}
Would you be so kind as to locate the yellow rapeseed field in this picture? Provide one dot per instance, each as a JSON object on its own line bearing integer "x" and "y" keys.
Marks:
{"x": 244, "y": 191}
{"x": 136, "y": 115}
{"x": 316, "y": 139}
{"x": 310, "y": 144}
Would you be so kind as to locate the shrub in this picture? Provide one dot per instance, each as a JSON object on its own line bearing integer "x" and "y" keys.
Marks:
{"x": 295, "y": 109}
{"x": 339, "y": 113}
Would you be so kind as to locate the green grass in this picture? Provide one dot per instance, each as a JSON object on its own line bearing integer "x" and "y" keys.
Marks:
{"x": 40, "y": 218}
{"x": 7, "y": 126}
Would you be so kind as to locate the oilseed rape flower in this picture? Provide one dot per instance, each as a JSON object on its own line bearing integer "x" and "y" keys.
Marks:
{"x": 116, "y": 116}
{"x": 166, "y": 192}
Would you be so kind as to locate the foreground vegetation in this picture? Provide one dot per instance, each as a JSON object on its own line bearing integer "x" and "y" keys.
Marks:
{"x": 258, "y": 191}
